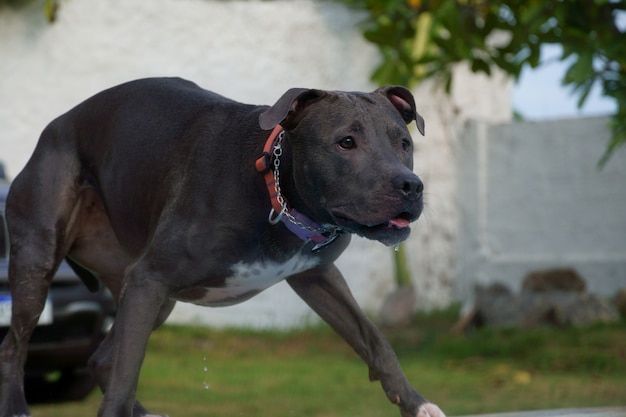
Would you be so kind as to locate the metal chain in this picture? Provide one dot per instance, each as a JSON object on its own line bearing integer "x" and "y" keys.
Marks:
{"x": 278, "y": 152}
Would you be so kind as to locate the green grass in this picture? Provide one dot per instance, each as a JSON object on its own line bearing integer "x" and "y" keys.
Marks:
{"x": 313, "y": 373}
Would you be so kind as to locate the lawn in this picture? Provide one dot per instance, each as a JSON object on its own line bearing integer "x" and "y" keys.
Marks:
{"x": 193, "y": 372}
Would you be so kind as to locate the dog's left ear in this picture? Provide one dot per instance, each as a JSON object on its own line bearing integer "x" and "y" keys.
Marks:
{"x": 289, "y": 108}
{"x": 403, "y": 101}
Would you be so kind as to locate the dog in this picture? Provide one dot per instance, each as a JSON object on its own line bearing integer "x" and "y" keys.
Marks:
{"x": 166, "y": 192}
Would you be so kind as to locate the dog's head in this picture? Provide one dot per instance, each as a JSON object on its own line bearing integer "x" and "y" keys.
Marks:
{"x": 352, "y": 159}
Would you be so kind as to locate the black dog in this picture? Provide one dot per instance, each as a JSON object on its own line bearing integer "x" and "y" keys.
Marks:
{"x": 166, "y": 192}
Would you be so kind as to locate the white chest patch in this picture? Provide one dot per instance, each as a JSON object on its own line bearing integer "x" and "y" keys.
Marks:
{"x": 247, "y": 280}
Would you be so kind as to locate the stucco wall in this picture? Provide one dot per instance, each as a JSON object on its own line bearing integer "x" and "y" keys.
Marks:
{"x": 532, "y": 197}
{"x": 251, "y": 51}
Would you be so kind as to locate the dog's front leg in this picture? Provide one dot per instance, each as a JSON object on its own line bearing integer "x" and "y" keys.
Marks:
{"x": 325, "y": 290}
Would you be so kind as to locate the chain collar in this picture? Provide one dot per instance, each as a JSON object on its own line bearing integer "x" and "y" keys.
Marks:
{"x": 299, "y": 224}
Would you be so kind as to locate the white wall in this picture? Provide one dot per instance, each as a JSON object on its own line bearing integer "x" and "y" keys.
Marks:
{"x": 533, "y": 198}
{"x": 251, "y": 51}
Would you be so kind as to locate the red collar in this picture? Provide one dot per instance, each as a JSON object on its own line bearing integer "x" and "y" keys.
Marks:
{"x": 299, "y": 224}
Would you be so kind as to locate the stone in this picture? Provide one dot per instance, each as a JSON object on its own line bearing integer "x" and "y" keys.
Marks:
{"x": 563, "y": 279}
{"x": 620, "y": 302}
{"x": 398, "y": 307}
{"x": 554, "y": 297}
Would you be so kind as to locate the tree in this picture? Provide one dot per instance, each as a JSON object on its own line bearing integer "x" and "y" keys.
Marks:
{"x": 421, "y": 39}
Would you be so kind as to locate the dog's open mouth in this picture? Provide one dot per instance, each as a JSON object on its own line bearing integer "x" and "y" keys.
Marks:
{"x": 400, "y": 222}
{"x": 389, "y": 232}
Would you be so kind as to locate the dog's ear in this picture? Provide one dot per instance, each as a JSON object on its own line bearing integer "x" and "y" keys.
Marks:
{"x": 403, "y": 101}
{"x": 289, "y": 108}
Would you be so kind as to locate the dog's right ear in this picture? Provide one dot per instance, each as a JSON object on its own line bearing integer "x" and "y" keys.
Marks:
{"x": 289, "y": 108}
{"x": 403, "y": 101}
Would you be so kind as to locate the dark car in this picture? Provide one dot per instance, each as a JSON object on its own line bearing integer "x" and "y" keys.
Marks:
{"x": 71, "y": 327}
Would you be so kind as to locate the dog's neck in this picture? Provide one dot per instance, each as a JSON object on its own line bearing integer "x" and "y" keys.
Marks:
{"x": 269, "y": 164}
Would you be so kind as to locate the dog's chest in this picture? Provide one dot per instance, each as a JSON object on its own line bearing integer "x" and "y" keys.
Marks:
{"x": 248, "y": 279}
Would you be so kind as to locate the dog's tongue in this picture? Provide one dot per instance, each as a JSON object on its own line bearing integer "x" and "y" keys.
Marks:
{"x": 399, "y": 222}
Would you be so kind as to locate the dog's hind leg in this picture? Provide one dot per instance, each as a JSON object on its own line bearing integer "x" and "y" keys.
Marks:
{"x": 143, "y": 304}
{"x": 38, "y": 210}
{"x": 96, "y": 248}
{"x": 101, "y": 361}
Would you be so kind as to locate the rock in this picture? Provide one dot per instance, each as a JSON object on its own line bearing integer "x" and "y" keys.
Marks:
{"x": 398, "y": 307}
{"x": 559, "y": 279}
{"x": 496, "y": 289}
{"x": 555, "y": 297}
{"x": 496, "y": 305}
{"x": 565, "y": 308}
{"x": 620, "y": 302}
{"x": 557, "y": 308}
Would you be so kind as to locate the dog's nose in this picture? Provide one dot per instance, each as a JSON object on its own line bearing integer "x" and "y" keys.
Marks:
{"x": 410, "y": 185}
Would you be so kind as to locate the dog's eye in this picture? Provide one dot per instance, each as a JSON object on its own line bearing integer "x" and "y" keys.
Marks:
{"x": 347, "y": 143}
{"x": 406, "y": 145}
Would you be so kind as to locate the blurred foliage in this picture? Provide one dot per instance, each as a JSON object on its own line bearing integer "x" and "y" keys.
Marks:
{"x": 421, "y": 39}
{"x": 48, "y": 7}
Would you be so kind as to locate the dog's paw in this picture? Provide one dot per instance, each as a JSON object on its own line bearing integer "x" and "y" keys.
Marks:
{"x": 430, "y": 410}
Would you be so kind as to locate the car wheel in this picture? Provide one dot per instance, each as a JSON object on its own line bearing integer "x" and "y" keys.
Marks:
{"x": 66, "y": 385}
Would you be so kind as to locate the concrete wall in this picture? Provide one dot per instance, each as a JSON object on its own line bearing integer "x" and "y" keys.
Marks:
{"x": 251, "y": 51}
{"x": 532, "y": 197}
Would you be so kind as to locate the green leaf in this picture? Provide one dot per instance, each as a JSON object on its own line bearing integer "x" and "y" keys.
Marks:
{"x": 529, "y": 16}
{"x": 480, "y": 65}
{"x": 585, "y": 89}
{"x": 447, "y": 81}
{"x": 535, "y": 54}
{"x": 580, "y": 70}
{"x": 50, "y": 8}
{"x": 616, "y": 142}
